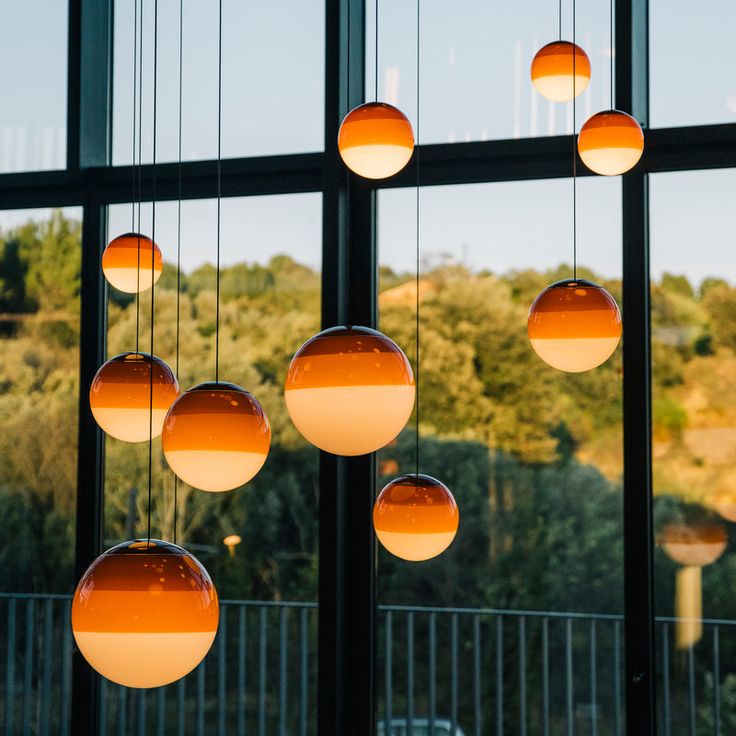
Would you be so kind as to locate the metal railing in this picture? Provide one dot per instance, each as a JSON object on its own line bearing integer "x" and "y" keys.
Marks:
{"x": 478, "y": 671}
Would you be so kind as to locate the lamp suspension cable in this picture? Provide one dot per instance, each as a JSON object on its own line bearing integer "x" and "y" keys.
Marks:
{"x": 139, "y": 173}
{"x": 376, "y": 80}
{"x": 178, "y": 241}
{"x": 219, "y": 193}
{"x": 574, "y": 161}
{"x": 612, "y": 53}
{"x": 418, "y": 263}
{"x": 153, "y": 260}
{"x": 559, "y": 20}
{"x": 135, "y": 113}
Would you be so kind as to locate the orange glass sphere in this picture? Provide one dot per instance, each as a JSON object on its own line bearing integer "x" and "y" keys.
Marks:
{"x": 126, "y": 263}
{"x": 120, "y": 396}
{"x": 574, "y": 325}
{"x": 145, "y": 613}
{"x": 375, "y": 140}
{"x": 216, "y": 436}
{"x": 610, "y": 143}
{"x": 553, "y": 68}
{"x": 415, "y": 517}
{"x": 349, "y": 390}
{"x": 695, "y": 544}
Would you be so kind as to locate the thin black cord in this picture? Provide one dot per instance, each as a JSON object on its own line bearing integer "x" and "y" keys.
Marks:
{"x": 376, "y": 50}
{"x": 219, "y": 197}
{"x": 135, "y": 102}
{"x": 612, "y": 21}
{"x": 153, "y": 254}
{"x": 416, "y": 382}
{"x": 559, "y": 20}
{"x": 178, "y": 241}
{"x": 574, "y": 158}
{"x": 140, "y": 181}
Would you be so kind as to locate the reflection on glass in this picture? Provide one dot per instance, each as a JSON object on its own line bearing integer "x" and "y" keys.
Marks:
{"x": 693, "y": 359}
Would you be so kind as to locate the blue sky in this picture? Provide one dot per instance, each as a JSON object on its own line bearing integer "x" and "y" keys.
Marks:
{"x": 474, "y": 70}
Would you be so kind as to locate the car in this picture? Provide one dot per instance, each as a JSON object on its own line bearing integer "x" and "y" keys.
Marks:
{"x": 419, "y": 727}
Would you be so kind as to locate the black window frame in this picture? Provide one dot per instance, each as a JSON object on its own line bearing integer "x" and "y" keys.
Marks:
{"x": 347, "y": 563}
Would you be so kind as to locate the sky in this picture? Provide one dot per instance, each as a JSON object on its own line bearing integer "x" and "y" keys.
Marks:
{"x": 474, "y": 86}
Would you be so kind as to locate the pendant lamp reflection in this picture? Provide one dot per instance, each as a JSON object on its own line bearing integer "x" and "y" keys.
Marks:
{"x": 553, "y": 68}
{"x": 126, "y": 263}
{"x": 349, "y": 390}
{"x": 216, "y": 436}
{"x": 120, "y": 396}
{"x": 375, "y": 140}
{"x": 145, "y": 613}
{"x": 574, "y": 325}
{"x": 415, "y": 517}
{"x": 611, "y": 142}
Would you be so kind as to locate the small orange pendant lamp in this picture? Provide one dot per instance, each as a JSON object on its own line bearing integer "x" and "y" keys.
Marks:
{"x": 121, "y": 393}
{"x": 560, "y": 71}
{"x": 415, "y": 517}
{"x": 216, "y": 436}
{"x": 349, "y": 390}
{"x": 145, "y": 613}
{"x": 611, "y": 143}
{"x": 127, "y": 263}
{"x": 574, "y": 325}
{"x": 375, "y": 140}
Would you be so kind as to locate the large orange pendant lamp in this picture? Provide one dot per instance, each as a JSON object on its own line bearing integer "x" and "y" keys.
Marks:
{"x": 574, "y": 325}
{"x": 216, "y": 436}
{"x": 127, "y": 401}
{"x": 132, "y": 263}
{"x": 560, "y": 71}
{"x": 349, "y": 390}
{"x": 375, "y": 140}
{"x": 611, "y": 143}
{"x": 145, "y": 613}
{"x": 415, "y": 517}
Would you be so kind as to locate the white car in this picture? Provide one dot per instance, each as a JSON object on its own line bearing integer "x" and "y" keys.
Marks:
{"x": 419, "y": 727}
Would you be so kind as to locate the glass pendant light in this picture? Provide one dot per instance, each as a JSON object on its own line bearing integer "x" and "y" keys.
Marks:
{"x": 574, "y": 325}
{"x": 121, "y": 394}
{"x": 611, "y": 142}
{"x": 145, "y": 613}
{"x": 349, "y": 390}
{"x": 216, "y": 436}
{"x": 375, "y": 139}
{"x": 126, "y": 263}
{"x": 415, "y": 517}
{"x": 560, "y": 71}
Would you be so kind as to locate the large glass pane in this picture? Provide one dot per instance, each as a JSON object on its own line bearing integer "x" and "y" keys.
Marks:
{"x": 39, "y": 376}
{"x": 690, "y": 55}
{"x": 33, "y": 56}
{"x": 693, "y": 316}
{"x": 518, "y": 624}
{"x": 475, "y": 82}
{"x": 267, "y": 583}
{"x": 272, "y": 79}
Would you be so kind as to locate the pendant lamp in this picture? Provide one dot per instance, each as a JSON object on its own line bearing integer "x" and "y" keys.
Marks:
{"x": 216, "y": 436}
{"x": 120, "y": 396}
{"x": 145, "y": 613}
{"x": 574, "y": 325}
{"x": 349, "y": 390}
{"x": 555, "y": 66}
{"x": 415, "y": 517}
{"x": 611, "y": 142}
{"x": 126, "y": 263}
{"x": 375, "y": 140}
